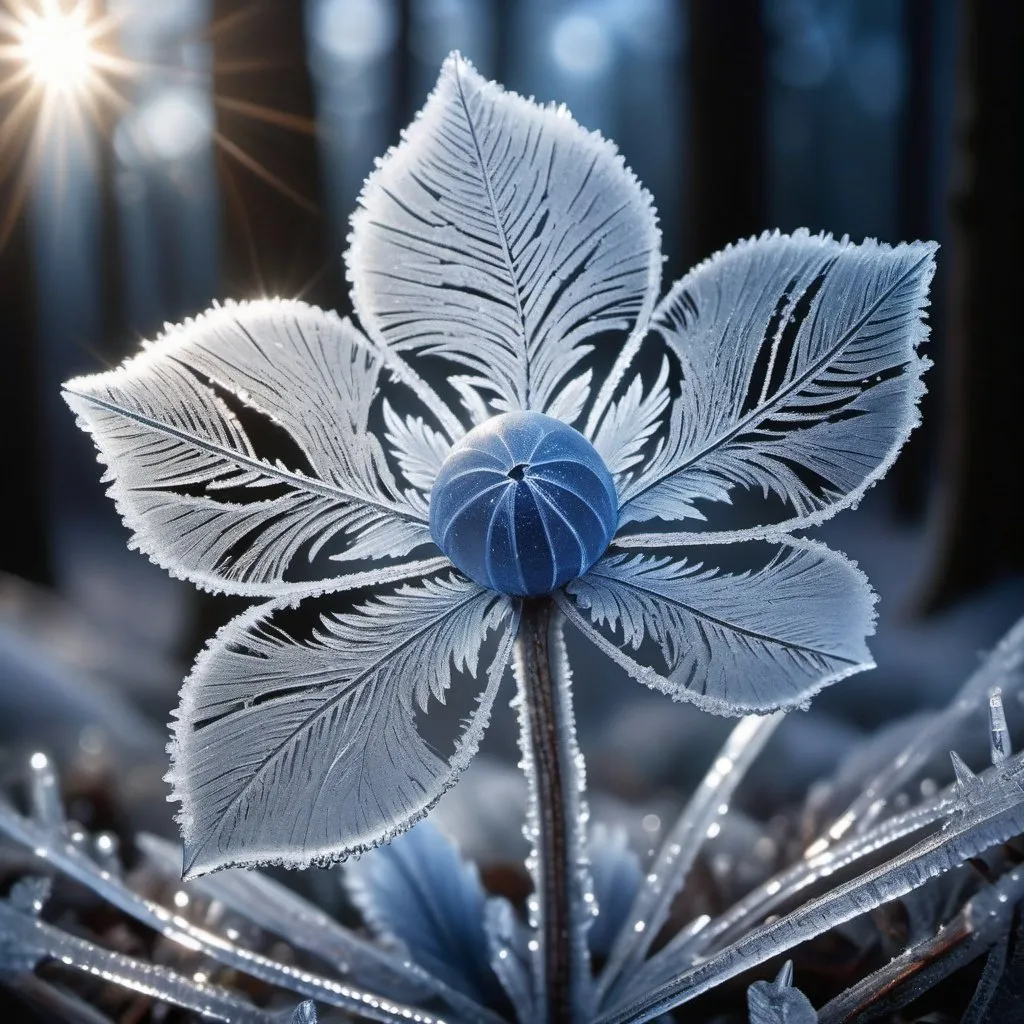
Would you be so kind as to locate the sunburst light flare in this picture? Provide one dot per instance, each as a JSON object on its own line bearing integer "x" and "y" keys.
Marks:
{"x": 57, "y": 69}
{"x": 58, "y": 50}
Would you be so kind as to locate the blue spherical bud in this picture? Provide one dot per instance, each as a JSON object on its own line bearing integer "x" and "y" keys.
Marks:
{"x": 523, "y": 504}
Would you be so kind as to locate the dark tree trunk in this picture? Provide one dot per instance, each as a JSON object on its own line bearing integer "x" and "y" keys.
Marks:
{"x": 918, "y": 170}
{"x": 725, "y": 151}
{"x": 980, "y": 536}
{"x": 276, "y": 239}
{"x": 25, "y": 549}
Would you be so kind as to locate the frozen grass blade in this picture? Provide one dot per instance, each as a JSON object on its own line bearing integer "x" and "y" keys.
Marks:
{"x": 782, "y": 888}
{"x": 279, "y": 910}
{"x": 667, "y": 874}
{"x": 64, "y": 856}
{"x": 991, "y": 813}
{"x": 1004, "y": 668}
{"x": 979, "y": 927}
{"x": 26, "y": 941}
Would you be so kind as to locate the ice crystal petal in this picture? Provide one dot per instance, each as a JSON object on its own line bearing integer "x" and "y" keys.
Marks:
{"x": 732, "y": 643}
{"x": 520, "y": 237}
{"x": 304, "y": 748}
{"x": 187, "y": 477}
{"x": 801, "y": 377}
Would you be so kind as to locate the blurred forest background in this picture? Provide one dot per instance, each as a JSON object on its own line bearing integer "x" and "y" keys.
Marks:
{"x": 226, "y": 162}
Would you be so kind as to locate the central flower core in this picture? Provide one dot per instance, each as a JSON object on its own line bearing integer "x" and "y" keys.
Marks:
{"x": 523, "y": 504}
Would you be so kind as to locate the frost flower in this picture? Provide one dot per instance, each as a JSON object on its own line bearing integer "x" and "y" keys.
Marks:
{"x": 515, "y": 396}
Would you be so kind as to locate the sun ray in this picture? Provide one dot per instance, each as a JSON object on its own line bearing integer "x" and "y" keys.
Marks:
{"x": 261, "y": 172}
{"x": 268, "y": 115}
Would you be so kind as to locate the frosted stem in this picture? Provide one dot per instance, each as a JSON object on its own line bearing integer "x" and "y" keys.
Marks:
{"x": 554, "y": 771}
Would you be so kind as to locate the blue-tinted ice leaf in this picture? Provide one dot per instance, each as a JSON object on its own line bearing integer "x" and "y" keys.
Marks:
{"x": 200, "y": 499}
{"x": 417, "y": 891}
{"x": 302, "y": 749}
{"x": 616, "y": 875}
{"x": 731, "y": 643}
{"x": 777, "y": 1002}
{"x": 503, "y": 237}
{"x": 508, "y": 948}
{"x": 801, "y": 376}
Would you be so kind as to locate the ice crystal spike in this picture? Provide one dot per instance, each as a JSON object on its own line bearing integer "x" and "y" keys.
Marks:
{"x": 967, "y": 783}
{"x": 777, "y": 1002}
{"x": 999, "y": 733}
{"x": 523, "y": 504}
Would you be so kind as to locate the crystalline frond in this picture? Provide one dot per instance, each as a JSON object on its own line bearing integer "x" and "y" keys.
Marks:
{"x": 300, "y": 741}
{"x": 520, "y": 236}
{"x": 801, "y": 377}
{"x": 238, "y": 509}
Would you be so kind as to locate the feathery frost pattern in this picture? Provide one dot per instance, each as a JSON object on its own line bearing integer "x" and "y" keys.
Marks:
{"x": 756, "y": 641}
{"x": 316, "y": 743}
{"x": 502, "y": 237}
{"x": 178, "y": 455}
{"x": 801, "y": 376}
{"x": 500, "y": 244}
